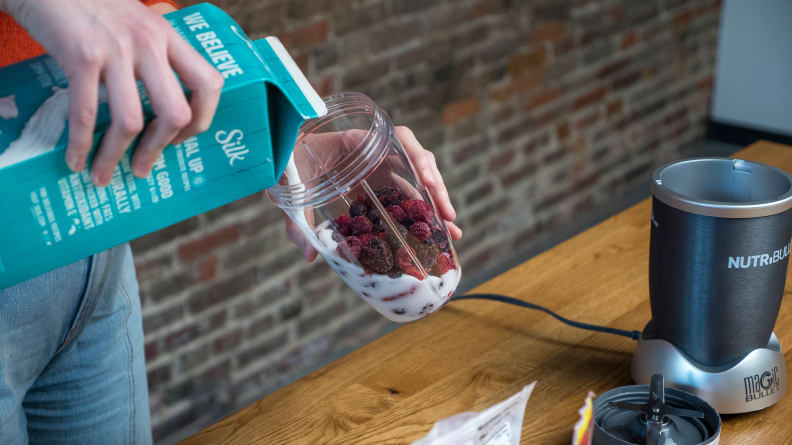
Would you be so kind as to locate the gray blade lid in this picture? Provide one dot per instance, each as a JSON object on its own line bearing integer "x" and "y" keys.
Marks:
{"x": 654, "y": 422}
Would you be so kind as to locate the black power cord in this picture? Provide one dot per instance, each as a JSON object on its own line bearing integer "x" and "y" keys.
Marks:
{"x": 635, "y": 335}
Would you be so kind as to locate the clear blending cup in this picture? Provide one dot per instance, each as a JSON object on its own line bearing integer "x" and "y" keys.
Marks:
{"x": 353, "y": 193}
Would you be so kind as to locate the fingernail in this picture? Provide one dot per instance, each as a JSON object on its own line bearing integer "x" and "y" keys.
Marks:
{"x": 141, "y": 169}
{"x": 97, "y": 178}
{"x": 72, "y": 161}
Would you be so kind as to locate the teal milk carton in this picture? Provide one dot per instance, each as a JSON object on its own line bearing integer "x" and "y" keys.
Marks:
{"x": 50, "y": 216}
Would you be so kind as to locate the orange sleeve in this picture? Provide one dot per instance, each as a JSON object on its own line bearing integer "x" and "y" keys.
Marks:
{"x": 154, "y": 2}
{"x": 16, "y": 44}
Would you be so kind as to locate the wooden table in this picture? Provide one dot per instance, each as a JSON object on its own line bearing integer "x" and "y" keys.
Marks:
{"x": 475, "y": 353}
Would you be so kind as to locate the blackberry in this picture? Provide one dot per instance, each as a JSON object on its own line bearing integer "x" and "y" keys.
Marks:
{"x": 389, "y": 196}
{"x": 373, "y": 215}
{"x": 357, "y": 208}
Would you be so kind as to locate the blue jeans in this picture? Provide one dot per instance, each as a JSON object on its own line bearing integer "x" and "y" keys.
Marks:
{"x": 72, "y": 366}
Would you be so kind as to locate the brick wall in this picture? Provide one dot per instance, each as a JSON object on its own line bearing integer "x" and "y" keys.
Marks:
{"x": 536, "y": 110}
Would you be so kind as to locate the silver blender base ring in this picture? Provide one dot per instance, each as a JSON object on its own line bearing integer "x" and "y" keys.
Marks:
{"x": 754, "y": 382}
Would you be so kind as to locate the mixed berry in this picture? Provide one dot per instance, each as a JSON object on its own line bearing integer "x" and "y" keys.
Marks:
{"x": 364, "y": 236}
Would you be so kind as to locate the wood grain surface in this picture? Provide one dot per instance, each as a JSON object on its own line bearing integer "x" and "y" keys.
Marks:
{"x": 472, "y": 354}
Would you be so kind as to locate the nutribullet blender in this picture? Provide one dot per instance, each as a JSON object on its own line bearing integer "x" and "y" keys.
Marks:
{"x": 720, "y": 241}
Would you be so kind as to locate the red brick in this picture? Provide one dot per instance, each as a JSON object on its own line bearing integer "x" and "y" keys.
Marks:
{"x": 515, "y": 86}
{"x": 228, "y": 342}
{"x": 164, "y": 236}
{"x": 153, "y": 267}
{"x": 158, "y": 377}
{"x": 538, "y": 142}
{"x": 207, "y": 268}
{"x": 457, "y": 111}
{"x": 527, "y": 63}
{"x": 614, "y": 107}
{"x": 486, "y": 7}
{"x": 680, "y": 21}
{"x": 546, "y": 117}
{"x": 549, "y": 31}
{"x": 480, "y": 193}
{"x": 261, "y": 325}
{"x": 181, "y": 337}
{"x": 208, "y": 243}
{"x": 306, "y": 36}
{"x": 563, "y": 46}
{"x": 545, "y": 97}
{"x": 705, "y": 83}
{"x": 675, "y": 116}
{"x": 551, "y": 200}
{"x": 468, "y": 152}
{"x": 626, "y": 80}
{"x": 616, "y": 12}
{"x": 518, "y": 174}
{"x": 223, "y": 290}
{"x": 589, "y": 98}
{"x": 612, "y": 68}
{"x": 152, "y": 350}
{"x": 588, "y": 120}
{"x": 629, "y": 39}
{"x": 220, "y": 371}
{"x": 501, "y": 160}
{"x": 562, "y": 131}
{"x": 302, "y": 61}
{"x": 555, "y": 155}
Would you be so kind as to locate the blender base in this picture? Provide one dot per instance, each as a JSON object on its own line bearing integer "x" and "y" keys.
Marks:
{"x": 751, "y": 383}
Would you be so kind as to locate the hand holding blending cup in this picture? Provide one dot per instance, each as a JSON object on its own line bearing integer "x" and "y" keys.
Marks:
{"x": 331, "y": 147}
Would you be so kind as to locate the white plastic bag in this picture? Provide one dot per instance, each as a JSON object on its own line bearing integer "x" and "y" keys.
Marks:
{"x": 500, "y": 424}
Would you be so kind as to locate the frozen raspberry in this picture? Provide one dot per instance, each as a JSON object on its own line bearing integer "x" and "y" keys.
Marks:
{"x": 357, "y": 208}
{"x": 421, "y": 230}
{"x": 361, "y": 225}
{"x": 342, "y": 224}
{"x": 397, "y": 213}
{"x": 414, "y": 271}
{"x": 365, "y": 238}
{"x": 444, "y": 264}
{"x": 418, "y": 211}
{"x": 376, "y": 255}
{"x": 403, "y": 260}
{"x": 389, "y": 196}
{"x": 349, "y": 248}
